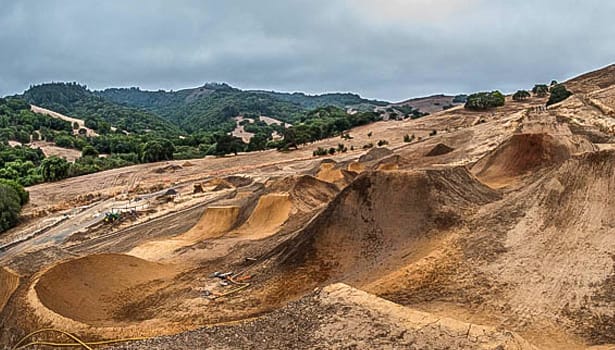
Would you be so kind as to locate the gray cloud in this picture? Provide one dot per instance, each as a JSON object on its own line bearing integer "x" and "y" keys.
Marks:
{"x": 390, "y": 49}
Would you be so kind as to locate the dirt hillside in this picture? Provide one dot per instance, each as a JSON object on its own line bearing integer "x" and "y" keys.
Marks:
{"x": 490, "y": 229}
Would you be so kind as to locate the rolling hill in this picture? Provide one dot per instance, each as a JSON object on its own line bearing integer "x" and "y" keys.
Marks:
{"x": 77, "y": 101}
{"x": 212, "y": 106}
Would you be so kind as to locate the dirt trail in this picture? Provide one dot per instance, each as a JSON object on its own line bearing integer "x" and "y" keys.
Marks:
{"x": 57, "y": 115}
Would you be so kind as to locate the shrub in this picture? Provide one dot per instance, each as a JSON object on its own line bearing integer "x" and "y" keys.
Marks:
{"x": 320, "y": 152}
{"x": 54, "y": 168}
{"x": 521, "y": 95}
{"x": 64, "y": 141}
{"x": 89, "y": 151}
{"x": 433, "y": 132}
{"x": 368, "y": 145}
{"x": 331, "y": 151}
{"x": 24, "y": 196}
{"x": 540, "y": 90}
{"x": 447, "y": 106}
{"x": 485, "y": 100}
{"x": 408, "y": 138}
{"x": 9, "y": 207}
{"x": 558, "y": 94}
{"x": 460, "y": 99}
{"x": 382, "y": 143}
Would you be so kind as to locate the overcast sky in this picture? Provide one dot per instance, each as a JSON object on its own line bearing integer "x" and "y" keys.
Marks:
{"x": 387, "y": 49}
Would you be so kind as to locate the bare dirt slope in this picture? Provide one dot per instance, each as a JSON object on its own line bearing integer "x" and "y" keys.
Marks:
{"x": 490, "y": 230}
{"x": 80, "y": 122}
{"x": 429, "y": 104}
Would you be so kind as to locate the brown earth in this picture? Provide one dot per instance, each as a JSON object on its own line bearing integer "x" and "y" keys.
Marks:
{"x": 8, "y": 283}
{"x": 86, "y": 289}
{"x": 505, "y": 242}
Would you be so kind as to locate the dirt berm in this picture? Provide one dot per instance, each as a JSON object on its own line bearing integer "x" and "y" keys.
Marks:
{"x": 524, "y": 153}
{"x": 377, "y": 221}
{"x": 566, "y": 218}
{"x": 342, "y": 317}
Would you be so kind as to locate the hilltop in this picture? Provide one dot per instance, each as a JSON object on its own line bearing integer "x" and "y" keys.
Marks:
{"x": 212, "y": 106}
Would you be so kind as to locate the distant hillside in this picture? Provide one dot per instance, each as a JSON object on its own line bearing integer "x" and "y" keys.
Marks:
{"x": 212, "y": 106}
{"x": 340, "y": 100}
{"x": 430, "y": 104}
{"x": 77, "y": 101}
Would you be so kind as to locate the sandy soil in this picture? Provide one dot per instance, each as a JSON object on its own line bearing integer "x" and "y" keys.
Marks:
{"x": 50, "y": 149}
{"x": 8, "y": 283}
{"x": 494, "y": 232}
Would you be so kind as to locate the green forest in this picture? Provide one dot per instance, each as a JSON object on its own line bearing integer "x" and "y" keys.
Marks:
{"x": 77, "y": 101}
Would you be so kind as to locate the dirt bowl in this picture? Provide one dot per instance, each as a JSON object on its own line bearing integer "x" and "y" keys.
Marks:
{"x": 94, "y": 288}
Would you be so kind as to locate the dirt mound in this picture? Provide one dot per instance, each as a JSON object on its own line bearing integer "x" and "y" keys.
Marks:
{"x": 239, "y": 181}
{"x": 217, "y": 184}
{"x": 330, "y": 172}
{"x": 215, "y": 222}
{"x": 567, "y": 221}
{"x": 382, "y": 215}
{"x": 356, "y": 167}
{"x": 171, "y": 168}
{"x": 415, "y": 329}
{"x": 307, "y": 192}
{"x": 438, "y": 150}
{"x": 8, "y": 283}
{"x": 375, "y": 154}
{"x": 389, "y": 164}
{"x": 92, "y": 288}
{"x": 271, "y": 211}
{"x": 519, "y": 155}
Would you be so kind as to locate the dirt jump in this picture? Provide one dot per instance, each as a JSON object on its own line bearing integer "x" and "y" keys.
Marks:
{"x": 520, "y": 155}
{"x": 270, "y": 213}
{"x": 378, "y": 219}
{"x": 496, "y": 232}
{"x": 215, "y": 222}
